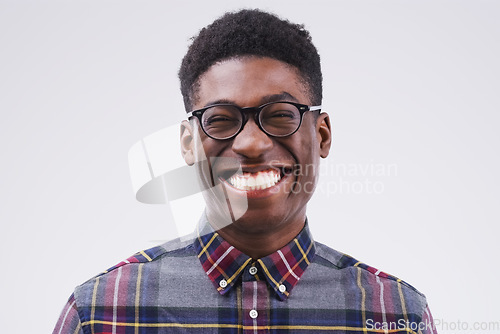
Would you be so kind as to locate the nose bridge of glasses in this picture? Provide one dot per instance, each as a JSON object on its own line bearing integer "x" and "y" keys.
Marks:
{"x": 245, "y": 113}
{"x": 247, "y": 110}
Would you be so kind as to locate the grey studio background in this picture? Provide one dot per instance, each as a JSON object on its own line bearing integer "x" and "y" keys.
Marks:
{"x": 410, "y": 187}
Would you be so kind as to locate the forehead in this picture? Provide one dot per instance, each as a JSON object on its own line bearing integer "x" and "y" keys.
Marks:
{"x": 250, "y": 81}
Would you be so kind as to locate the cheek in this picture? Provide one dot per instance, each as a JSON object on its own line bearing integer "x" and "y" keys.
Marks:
{"x": 307, "y": 152}
{"x": 307, "y": 145}
{"x": 213, "y": 151}
{"x": 206, "y": 147}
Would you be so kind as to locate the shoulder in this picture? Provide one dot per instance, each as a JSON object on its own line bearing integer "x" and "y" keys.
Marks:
{"x": 357, "y": 276}
{"x": 173, "y": 248}
{"x": 151, "y": 262}
{"x": 331, "y": 257}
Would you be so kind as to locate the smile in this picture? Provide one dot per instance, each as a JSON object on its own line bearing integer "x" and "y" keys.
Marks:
{"x": 255, "y": 181}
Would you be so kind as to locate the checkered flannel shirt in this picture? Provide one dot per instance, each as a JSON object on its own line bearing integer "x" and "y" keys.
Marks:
{"x": 305, "y": 287}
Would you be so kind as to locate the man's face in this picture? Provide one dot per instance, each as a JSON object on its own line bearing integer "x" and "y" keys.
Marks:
{"x": 265, "y": 181}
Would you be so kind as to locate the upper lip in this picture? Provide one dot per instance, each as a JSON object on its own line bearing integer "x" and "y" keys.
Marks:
{"x": 227, "y": 172}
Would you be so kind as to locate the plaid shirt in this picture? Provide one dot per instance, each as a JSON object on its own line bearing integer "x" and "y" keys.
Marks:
{"x": 305, "y": 287}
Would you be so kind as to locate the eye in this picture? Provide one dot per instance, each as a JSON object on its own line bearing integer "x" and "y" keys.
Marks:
{"x": 221, "y": 117}
{"x": 280, "y": 118}
{"x": 218, "y": 119}
{"x": 281, "y": 114}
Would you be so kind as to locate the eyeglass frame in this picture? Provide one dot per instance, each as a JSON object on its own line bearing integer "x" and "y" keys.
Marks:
{"x": 302, "y": 108}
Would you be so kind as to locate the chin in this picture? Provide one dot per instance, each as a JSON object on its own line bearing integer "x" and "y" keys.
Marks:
{"x": 259, "y": 220}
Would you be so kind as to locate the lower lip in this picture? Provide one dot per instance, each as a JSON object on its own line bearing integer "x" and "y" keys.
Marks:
{"x": 257, "y": 193}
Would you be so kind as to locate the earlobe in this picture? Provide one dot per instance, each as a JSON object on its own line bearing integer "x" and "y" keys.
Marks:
{"x": 324, "y": 134}
{"x": 187, "y": 142}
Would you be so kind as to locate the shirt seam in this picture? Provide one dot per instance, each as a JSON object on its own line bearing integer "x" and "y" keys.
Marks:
{"x": 80, "y": 316}
{"x": 392, "y": 278}
{"x": 327, "y": 260}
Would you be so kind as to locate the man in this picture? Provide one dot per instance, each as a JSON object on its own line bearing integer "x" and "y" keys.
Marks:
{"x": 252, "y": 88}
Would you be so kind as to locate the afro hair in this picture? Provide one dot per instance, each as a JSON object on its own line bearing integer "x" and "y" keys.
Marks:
{"x": 251, "y": 32}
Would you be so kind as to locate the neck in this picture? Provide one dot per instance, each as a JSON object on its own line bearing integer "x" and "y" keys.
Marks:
{"x": 258, "y": 243}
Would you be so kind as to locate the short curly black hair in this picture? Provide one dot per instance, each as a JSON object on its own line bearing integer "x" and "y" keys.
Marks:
{"x": 251, "y": 32}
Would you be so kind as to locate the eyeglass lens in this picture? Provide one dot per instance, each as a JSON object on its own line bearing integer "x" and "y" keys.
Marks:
{"x": 277, "y": 119}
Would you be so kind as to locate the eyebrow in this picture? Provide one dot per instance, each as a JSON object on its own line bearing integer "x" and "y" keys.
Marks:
{"x": 283, "y": 96}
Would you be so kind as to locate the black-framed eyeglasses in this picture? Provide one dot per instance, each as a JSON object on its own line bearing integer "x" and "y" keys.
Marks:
{"x": 277, "y": 119}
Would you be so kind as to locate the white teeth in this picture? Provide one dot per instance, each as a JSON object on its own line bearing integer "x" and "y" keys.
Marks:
{"x": 260, "y": 181}
{"x": 251, "y": 182}
{"x": 255, "y": 181}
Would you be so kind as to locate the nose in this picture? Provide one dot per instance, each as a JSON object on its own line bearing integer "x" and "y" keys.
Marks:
{"x": 251, "y": 142}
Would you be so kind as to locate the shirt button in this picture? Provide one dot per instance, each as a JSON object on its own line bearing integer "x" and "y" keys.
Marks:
{"x": 253, "y": 270}
{"x": 223, "y": 283}
{"x": 282, "y": 288}
{"x": 253, "y": 314}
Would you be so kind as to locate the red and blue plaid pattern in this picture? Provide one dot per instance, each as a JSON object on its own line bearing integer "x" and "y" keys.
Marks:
{"x": 221, "y": 261}
{"x": 305, "y": 287}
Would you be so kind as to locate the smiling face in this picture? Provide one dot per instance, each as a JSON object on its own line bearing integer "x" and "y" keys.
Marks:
{"x": 265, "y": 181}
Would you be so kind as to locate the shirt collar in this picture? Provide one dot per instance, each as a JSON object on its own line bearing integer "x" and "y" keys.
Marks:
{"x": 224, "y": 264}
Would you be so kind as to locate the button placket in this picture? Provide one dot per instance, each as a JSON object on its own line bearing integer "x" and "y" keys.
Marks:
{"x": 255, "y": 301}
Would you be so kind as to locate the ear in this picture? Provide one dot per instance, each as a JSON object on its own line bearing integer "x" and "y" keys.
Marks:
{"x": 324, "y": 134}
{"x": 187, "y": 142}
